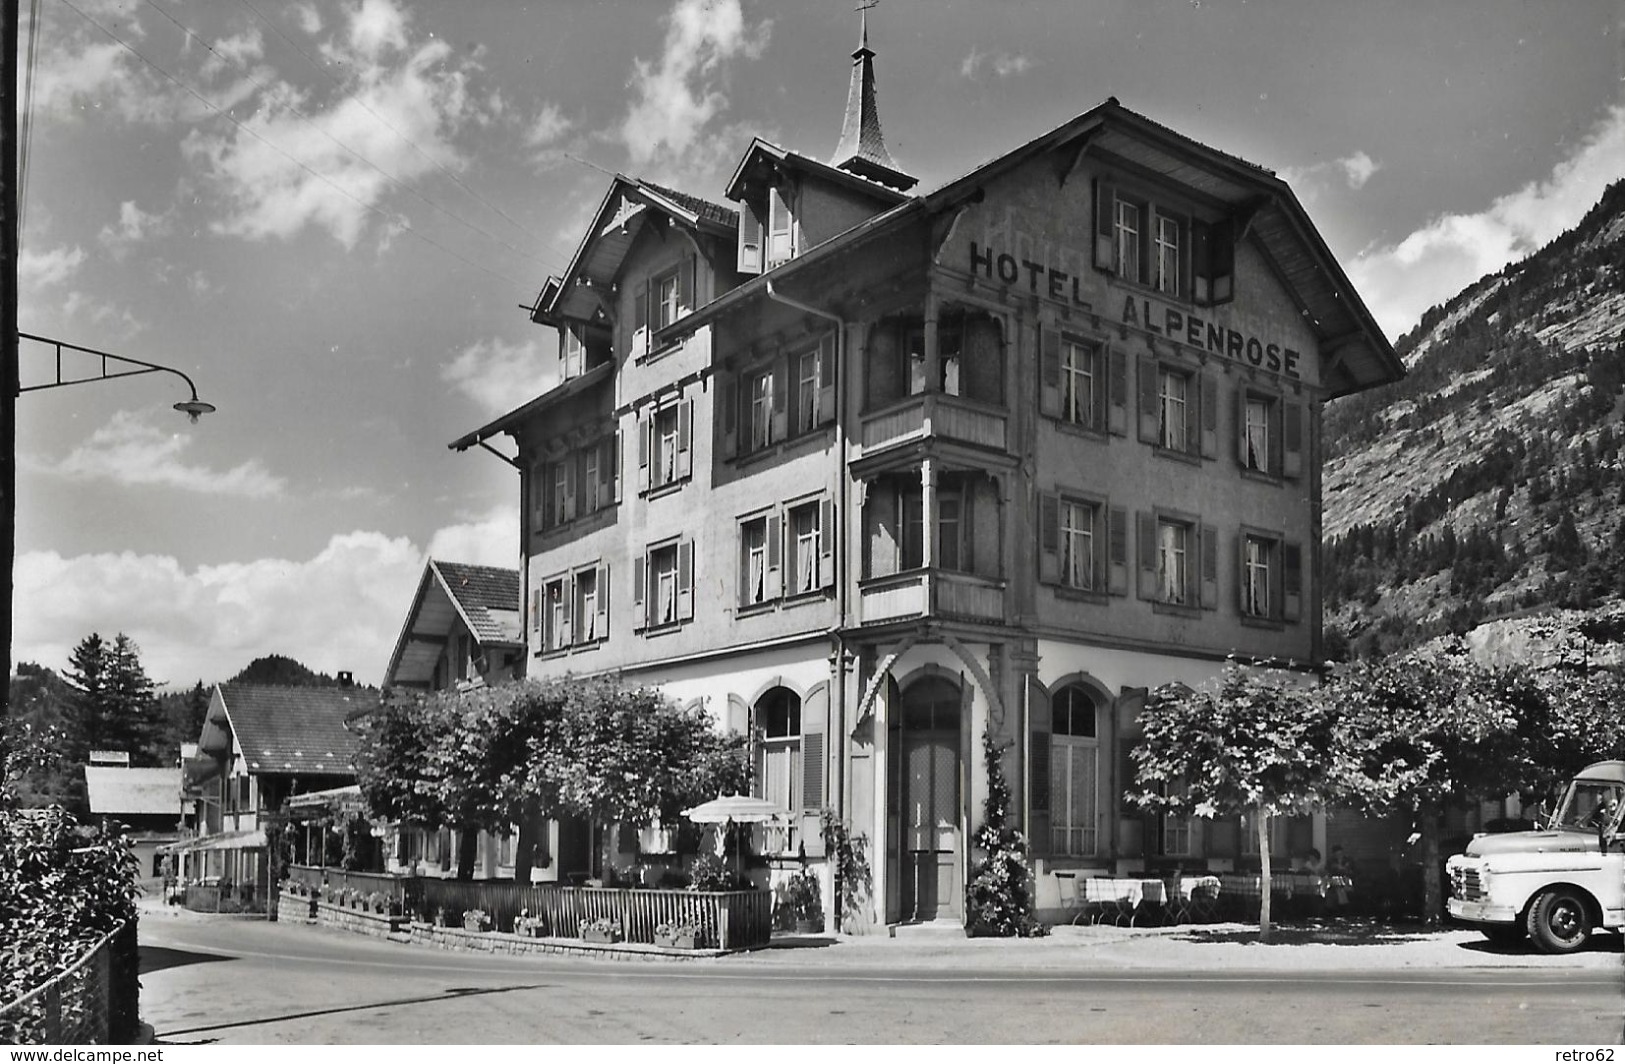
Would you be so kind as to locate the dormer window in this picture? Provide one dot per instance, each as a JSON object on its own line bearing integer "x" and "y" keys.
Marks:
{"x": 1147, "y": 241}
{"x": 573, "y": 352}
{"x": 780, "y": 229}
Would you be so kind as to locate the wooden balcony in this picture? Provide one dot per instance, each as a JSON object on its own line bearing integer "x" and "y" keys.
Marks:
{"x": 935, "y": 415}
{"x": 920, "y": 592}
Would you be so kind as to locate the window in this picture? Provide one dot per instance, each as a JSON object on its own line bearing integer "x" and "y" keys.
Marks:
{"x": 1167, "y": 278}
{"x": 1258, "y": 563}
{"x": 760, "y": 396}
{"x": 1074, "y": 772}
{"x": 1256, "y": 433}
{"x": 663, "y": 585}
{"x": 1173, "y": 572}
{"x": 1176, "y": 836}
{"x": 664, "y": 290}
{"x": 556, "y": 615}
{"x": 591, "y": 482}
{"x": 806, "y": 377}
{"x": 950, "y": 532}
{"x": 1173, "y": 397}
{"x": 1078, "y": 520}
{"x": 753, "y": 560}
{"x": 1126, "y": 233}
{"x": 805, "y": 550}
{"x": 1269, "y": 577}
{"x": 663, "y": 570}
{"x": 665, "y": 438}
{"x": 781, "y": 229}
{"x": 586, "y": 606}
{"x": 1081, "y": 383}
{"x": 912, "y": 520}
{"x": 778, "y": 752}
{"x": 573, "y": 352}
{"x": 1148, "y": 241}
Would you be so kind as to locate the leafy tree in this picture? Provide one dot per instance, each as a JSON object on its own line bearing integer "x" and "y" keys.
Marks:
{"x": 999, "y": 897}
{"x": 41, "y": 705}
{"x": 1259, "y": 744}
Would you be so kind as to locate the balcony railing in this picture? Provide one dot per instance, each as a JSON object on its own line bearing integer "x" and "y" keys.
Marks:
{"x": 920, "y": 591}
{"x": 935, "y": 414}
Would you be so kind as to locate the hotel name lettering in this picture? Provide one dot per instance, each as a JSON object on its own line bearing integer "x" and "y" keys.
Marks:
{"x": 1141, "y": 313}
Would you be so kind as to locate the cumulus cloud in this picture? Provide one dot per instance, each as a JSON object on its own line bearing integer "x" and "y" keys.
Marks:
{"x": 341, "y": 609}
{"x": 134, "y": 225}
{"x": 1351, "y": 170}
{"x": 76, "y": 74}
{"x": 500, "y": 376}
{"x": 131, "y": 449}
{"x": 37, "y": 269}
{"x": 326, "y": 168}
{"x": 1401, "y": 281}
{"x": 489, "y": 539}
{"x": 547, "y": 127}
{"x": 999, "y": 64}
{"x": 677, "y": 96}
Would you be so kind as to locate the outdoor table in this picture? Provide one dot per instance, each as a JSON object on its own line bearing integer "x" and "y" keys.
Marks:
{"x": 1193, "y": 898}
{"x": 1122, "y": 900}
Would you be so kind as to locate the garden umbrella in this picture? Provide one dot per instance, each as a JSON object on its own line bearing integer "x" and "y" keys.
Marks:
{"x": 733, "y": 809}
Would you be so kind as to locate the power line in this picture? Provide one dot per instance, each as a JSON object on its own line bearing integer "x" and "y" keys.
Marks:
{"x": 27, "y": 115}
{"x": 404, "y": 226}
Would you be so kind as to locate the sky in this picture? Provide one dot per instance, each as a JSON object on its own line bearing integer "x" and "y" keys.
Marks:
{"x": 330, "y": 214}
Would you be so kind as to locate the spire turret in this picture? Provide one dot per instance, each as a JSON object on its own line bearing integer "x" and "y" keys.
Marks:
{"x": 862, "y": 150}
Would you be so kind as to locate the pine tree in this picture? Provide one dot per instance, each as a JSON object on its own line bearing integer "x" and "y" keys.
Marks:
{"x": 1000, "y": 899}
{"x": 113, "y": 703}
{"x": 87, "y": 676}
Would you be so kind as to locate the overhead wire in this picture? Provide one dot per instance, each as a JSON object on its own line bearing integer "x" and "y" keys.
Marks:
{"x": 397, "y": 183}
{"x": 404, "y": 226}
{"x": 27, "y": 116}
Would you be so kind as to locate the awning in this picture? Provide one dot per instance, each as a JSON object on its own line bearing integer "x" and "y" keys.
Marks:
{"x": 223, "y": 840}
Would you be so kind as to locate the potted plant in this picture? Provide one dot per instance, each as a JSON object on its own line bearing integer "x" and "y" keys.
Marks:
{"x": 601, "y": 929}
{"x": 678, "y": 934}
{"x": 476, "y": 920}
{"x": 528, "y": 926}
{"x": 805, "y": 901}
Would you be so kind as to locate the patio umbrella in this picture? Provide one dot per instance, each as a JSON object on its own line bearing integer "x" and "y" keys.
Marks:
{"x": 734, "y": 809}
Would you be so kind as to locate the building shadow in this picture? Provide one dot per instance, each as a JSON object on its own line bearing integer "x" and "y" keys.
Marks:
{"x": 165, "y": 1037}
{"x": 158, "y": 958}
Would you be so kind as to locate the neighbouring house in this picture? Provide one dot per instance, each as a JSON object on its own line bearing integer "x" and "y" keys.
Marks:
{"x": 145, "y": 802}
{"x": 261, "y": 745}
{"x": 867, "y": 472}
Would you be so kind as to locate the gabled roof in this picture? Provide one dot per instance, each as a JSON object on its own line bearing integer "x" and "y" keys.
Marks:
{"x": 621, "y": 216}
{"x": 289, "y": 730}
{"x": 133, "y": 791}
{"x": 481, "y": 598}
{"x": 547, "y": 400}
{"x": 764, "y": 153}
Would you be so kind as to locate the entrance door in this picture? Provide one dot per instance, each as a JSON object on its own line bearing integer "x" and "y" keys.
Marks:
{"x": 928, "y": 806}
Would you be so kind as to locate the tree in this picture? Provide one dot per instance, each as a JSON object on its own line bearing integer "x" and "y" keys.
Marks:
{"x": 86, "y": 676}
{"x": 1259, "y": 744}
{"x": 113, "y": 703}
{"x": 999, "y": 898}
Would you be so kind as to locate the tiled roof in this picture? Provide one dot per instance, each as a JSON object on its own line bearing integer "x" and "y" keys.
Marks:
{"x": 481, "y": 591}
{"x": 133, "y": 791}
{"x": 295, "y": 729}
{"x": 703, "y": 208}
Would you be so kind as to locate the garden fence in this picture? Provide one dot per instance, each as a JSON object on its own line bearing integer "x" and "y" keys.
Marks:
{"x": 94, "y": 1002}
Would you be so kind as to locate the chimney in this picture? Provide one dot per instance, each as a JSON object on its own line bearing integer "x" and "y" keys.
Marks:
{"x": 346, "y": 679}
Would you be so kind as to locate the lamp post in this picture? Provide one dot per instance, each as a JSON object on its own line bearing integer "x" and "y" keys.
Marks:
{"x": 192, "y": 408}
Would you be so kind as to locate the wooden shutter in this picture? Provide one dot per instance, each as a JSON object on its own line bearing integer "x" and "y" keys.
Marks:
{"x": 1134, "y": 824}
{"x": 1201, "y": 267}
{"x": 567, "y": 595}
{"x": 814, "y": 728}
{"x": 828, "y": 352}
{"x": 1292, "y": 439}
{"x": 685, "y": 438}
{"x": 640, "y": 579}
{"x": 1049, "y": 395}
{"x": 685, "y": 285}
{"x": 609, "y": 469}
{"x": 827, "y": 533}
{"x": 1150, "y": 422}
{"x": 1210, "y": 414}
{"x": 644, "y": 427}
{"x": 1049, "y": 538}
{"x": 1147, "y": 529}
{"x": 750, "y": 240}
{"x": 1241, "y": 425}
{"x": 728, "y": 396}
{"x": 1210, "y": 566}
{"x": 536, "y": 610}
{"x": 1291, "y": 581}
{"x": 781, "y": 400}
{"x": 1241, "y": 574}
{"x": 1039, "y": 724}
{"x": 775, "y": 558}
{"x": 685, "y": 580}
{"x": 1116, "y": 364}
{"x": 602, "y": 624}
{"x": 1222, "y": 262}
{"x": 1105, "y": 201}
{"x": 1194, "y": 444}
{"x": 640, "y": 318}
{"x": 570, "y": 465}
{"x": 1117, "y": 551}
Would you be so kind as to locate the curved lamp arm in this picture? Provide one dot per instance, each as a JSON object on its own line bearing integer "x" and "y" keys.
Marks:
{"x": 192, "y": 408}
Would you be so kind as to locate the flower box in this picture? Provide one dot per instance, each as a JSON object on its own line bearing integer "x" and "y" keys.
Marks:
{"x": 605, "y": 936}
{"x": 674, "y": 941}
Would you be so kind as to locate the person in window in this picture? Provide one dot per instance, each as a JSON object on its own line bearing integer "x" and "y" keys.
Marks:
{"x": 1603, "y": 816}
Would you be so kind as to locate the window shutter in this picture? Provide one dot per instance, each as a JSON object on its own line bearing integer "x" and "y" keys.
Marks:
{"x": 1105, "y": 200}
{"x": 1150, "y": 423}
{"x": 1210, "y": 414}
{"x": 1148, "y": 554}
{"x": 1210, "y": 567}
{"x": 685, "y": 580}
{"x": 828, "y": 352}
{"x": 1241, "y": 574}
{"x": 567, "y": 593}
{"x": 775, "y": 559}
{"x": 1241, "y": 425}
{"x": 827, "y": 533}
{"x": 640, "y": 576}
{"x": 1291, "y": 582}
{"x": 685, "y": 285}
{"x": 536, "y": 610}
{"x": 1049, "y": 397}
{"x": 1039, "y": 769}
{"x": 602, "y": 626}
{"x": 1292, "y": 439}
{"x": 1222, "y": 257}
{"x": 728, "y": 396}
{"x": 643, "y": 451}
{"x": 1135, "y": 840}
{"x": 812, "y": 753}
{"x": 1201, "y": 268}
{"x": 571, "y": 468}
{"x": 967, "y": 529}
{"x": 750, "y": 240}
{"x": 1117, "y": 366}
{"x": 685, "y": 438}
{"x": 1193, "y": 415}
{"x": 640, "y": 318}
{"x": 1117, "y": 540}
{"x": 781, "y": 396}
{"x": 609, "y": 469}
{"x": 1049, "y": 538}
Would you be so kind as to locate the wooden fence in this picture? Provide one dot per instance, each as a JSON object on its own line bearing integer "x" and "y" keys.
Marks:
{"x": 736, "y": 919}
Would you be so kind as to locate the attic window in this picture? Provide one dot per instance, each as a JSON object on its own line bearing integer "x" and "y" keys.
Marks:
{"x": 1147, "y": 241}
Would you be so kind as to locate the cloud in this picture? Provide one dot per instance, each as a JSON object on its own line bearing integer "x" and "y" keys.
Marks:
{"x": 97, "y": 308}
{"x": 38, "y": 269}
{"x": 1358, "y": 168}
{"x": 500, "y": 376}
{"x": 549, "y": 125}
{"x": 1000, "y": 64}
{"x": 341, "y": 609}
{"x": 676, "y": 97}
{"x": 1309, "y": 181}
{"x": 134, "y": 225}
{"x": 280, "y": 173}
{"x": 491, "y": 539}
{"x": 131, "y": 450}
{"x": 1400, "y": 281}
{"x": 77, "y": 75}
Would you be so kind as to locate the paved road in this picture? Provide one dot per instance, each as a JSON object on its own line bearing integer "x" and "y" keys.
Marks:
{"x": 236, "y": 981}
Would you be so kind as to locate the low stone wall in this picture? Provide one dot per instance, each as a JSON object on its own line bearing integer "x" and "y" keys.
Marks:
{"x": 456, "y": 938}
{"x": 294, "y": 908}
{"x": 362, "y": 921}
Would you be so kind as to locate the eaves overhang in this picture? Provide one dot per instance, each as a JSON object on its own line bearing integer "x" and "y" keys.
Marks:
{"x": 547, "y": 400}
{"x": 760, "y": 150}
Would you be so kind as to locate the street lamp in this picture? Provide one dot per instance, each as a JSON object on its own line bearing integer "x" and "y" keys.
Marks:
{"x": 192, "y": 408}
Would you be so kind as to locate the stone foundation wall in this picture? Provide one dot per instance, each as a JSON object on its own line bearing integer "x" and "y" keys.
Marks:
{"x": 363, "y": 921}
{"x": 294, "y": 908}
{"x": 456, "y": 938}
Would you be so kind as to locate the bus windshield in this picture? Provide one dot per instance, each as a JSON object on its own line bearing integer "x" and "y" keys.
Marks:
{"x": 1590, "y": 805}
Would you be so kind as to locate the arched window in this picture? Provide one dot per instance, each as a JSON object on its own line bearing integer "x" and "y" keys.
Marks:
{"x": 1074, "y": 772}
{"x": 778, "y": 748}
